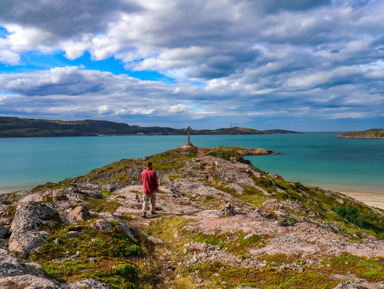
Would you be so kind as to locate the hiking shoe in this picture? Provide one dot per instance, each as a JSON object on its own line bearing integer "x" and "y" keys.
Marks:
{"x": 144, "y": 215}
{"x": 153, "y": 213}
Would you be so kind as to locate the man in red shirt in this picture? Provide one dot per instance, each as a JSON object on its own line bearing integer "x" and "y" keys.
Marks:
{"x": 150, "y": 187}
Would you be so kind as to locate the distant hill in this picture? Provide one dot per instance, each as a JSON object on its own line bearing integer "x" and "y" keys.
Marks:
{"x": 25, "y": 127}
{"x": 371, "y": 134}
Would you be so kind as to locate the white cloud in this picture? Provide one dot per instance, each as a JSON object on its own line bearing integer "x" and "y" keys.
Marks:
{"x": 249, "y": 58}
{"x": 9, "y": 57}
{"x": 178, "y": 108}
{"x": 142, "y": 111}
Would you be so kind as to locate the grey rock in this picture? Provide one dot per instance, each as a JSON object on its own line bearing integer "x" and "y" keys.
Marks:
{"x": 30, "y": 282}
{"x": 26, "y": 224}
{"x": 11, "y": 266}
{"x": 128, "y": 230}
{"x": 102, "y": 224}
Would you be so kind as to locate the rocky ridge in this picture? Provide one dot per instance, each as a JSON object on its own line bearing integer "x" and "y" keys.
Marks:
{"x": 221, "y": 223}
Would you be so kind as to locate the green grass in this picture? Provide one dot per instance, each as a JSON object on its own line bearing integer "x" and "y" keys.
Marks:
{"x": 371, "y": 269}
{"x": 232, "y": 276}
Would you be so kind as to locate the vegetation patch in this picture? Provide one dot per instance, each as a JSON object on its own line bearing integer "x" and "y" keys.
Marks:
{"x": 53, "y": 186}
{"x": 237, "y": 243}
{"x": 100, "y": 254}
{"x": 227, "y": 276}
{"x": 371, "y": 269}
{"x": 362, "y": 217}
{"x": 101, "y": 205}
{"x": 226, "y": 154}
{"x": 252, "y": 196}
{"x": 173, "y": 159}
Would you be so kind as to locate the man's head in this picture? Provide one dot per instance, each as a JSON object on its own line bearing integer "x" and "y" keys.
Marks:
{"x": 149, "y": 165}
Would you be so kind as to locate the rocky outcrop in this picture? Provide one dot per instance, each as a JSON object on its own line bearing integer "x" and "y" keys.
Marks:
{"x": 27, "y": 226}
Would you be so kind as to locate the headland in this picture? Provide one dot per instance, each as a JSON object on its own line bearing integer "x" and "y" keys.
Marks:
{"x": 220, "y": 223}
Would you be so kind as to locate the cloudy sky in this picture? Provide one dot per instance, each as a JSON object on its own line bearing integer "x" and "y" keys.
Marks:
{"x": 306, "y": 65}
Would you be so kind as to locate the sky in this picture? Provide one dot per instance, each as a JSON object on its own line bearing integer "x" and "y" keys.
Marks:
{"x": 303, "y": 65}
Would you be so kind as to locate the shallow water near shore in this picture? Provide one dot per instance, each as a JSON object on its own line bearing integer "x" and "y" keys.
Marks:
{"x": 311, "y": 158}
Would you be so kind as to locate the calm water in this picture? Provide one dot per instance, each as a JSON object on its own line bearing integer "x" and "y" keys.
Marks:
{"x": 311, "y": 158}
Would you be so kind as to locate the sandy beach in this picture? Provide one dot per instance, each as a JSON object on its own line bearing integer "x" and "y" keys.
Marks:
{"x": 371, "y": 198}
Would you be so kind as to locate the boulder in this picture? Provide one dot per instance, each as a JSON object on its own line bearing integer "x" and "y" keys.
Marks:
{"x": 29, "y": 218}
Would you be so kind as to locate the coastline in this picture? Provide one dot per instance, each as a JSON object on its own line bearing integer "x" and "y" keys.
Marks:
{"x": 370, "y": 198}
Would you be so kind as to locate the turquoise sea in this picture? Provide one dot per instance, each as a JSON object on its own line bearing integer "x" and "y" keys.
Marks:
{"x": 311, "y": 158}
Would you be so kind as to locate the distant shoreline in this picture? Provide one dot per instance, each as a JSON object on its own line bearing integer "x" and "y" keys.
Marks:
{"x": 12, "y": 127}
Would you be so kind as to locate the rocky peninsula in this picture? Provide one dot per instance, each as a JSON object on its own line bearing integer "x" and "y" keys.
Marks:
{"x": 221, "y": 223}
{"x": 369, "y": 134}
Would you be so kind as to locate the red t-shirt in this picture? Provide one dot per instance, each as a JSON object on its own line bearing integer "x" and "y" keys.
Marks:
{"x": 149, "y": 179}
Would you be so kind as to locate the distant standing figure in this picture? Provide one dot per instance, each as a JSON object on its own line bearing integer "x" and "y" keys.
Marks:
{"x": 150, "y": 187}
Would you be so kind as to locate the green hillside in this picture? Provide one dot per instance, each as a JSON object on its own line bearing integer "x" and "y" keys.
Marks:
{"x": 26, "y": 127}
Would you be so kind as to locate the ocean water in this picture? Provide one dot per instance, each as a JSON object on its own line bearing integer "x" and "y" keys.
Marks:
{"x": 311, "y": 158}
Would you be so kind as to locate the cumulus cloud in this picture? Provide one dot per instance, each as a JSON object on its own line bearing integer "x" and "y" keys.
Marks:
{"x": 180, "y": 108}
{"x": 234, "y": 59}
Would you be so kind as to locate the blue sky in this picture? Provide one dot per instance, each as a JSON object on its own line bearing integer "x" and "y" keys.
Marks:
{"x": 305, "y": 65}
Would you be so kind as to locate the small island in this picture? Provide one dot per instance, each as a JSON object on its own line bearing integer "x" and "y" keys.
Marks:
{"x": 369, "y": 134}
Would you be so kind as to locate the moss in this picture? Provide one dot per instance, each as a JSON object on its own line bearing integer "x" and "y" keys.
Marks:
{"x": 101, "y": 183}
{"x": 48, "y": 199}
{"x": 371, "y": 269}
{"x": 105, "y": 194}
{"x": 53, "y": 186}
{"x": 252, "y": 196}
{"x": 182, "y": 283}
{"x": 227, "y": 154}
{"x": 233, "y": 242}
{"x": 111, "y": 250}
{"x": 120, "y": 177}
{"x": 11, "y": 211}
{"x": 173, "y": 159}
{"x": 227, "y": 276}
{"x": 101, "y": 205}
{"x": 166, "y": 227}
{"x": 174, "y": 176}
